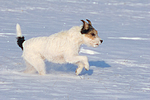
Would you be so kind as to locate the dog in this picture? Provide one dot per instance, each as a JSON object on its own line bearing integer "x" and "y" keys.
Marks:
{"x": 62, "y": 47}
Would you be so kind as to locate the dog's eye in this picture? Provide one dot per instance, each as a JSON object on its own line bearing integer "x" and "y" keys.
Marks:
{"x": 92, "y": 34}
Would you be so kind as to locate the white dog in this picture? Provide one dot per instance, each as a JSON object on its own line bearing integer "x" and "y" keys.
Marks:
{"x": 62, "y": 47}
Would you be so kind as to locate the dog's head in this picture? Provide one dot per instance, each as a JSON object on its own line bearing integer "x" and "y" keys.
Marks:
{"x": 90, "y": 35}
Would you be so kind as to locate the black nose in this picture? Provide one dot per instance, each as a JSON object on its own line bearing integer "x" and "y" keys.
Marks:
{"x": 101, "y": 41}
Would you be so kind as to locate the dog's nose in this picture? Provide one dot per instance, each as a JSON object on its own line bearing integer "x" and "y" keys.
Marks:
{"x": 101, "y": 41}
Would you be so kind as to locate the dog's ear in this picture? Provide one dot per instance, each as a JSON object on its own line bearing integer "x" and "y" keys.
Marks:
{"x": 89, "y": 22}
{"x": 86, "y": 27}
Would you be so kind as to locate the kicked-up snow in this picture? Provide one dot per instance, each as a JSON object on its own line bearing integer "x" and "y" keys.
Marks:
{"x": 119, "y": 67}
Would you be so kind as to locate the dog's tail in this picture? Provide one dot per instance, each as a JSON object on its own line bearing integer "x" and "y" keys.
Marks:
{"x": 20, "y": 38}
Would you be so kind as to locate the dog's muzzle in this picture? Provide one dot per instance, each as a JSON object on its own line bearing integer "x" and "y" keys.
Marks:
{"x": 101, "y": 41}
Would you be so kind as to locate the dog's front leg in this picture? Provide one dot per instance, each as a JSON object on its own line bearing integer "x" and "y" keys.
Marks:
{"x": 79, "y": 69}
{"x": 82, "y": 61}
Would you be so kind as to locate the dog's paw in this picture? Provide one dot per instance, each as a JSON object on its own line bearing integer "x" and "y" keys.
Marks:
{"x": 78, "y": 71}
{"x": 42, "y": 73}
{"x": 87, "y": 67}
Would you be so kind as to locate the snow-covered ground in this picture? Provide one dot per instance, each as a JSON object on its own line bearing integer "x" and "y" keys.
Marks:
{"x": 119, "y": 68}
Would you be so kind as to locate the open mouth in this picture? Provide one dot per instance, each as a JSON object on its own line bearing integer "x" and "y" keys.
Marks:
{"x": 96, "y": 45}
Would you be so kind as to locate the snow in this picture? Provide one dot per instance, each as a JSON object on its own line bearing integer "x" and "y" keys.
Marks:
{"x": 119, "y": 68}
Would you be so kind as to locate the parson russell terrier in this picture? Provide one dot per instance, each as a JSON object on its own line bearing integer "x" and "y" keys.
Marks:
{"x": 62, "y": 47}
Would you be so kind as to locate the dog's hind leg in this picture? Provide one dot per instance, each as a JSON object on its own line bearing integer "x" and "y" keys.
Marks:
{"x": 29, "y": 68}
{"x": 38, "y": 63}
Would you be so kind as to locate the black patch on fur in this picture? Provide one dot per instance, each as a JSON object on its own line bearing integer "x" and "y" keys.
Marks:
{"x": 84, "y": 31}
{"x": 20, "y": 41}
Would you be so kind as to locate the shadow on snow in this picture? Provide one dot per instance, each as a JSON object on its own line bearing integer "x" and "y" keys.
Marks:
{"x": 65, "y": 68}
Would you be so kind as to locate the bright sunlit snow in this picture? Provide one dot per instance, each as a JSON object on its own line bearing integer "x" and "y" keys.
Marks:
{"x": 119, "y": 67}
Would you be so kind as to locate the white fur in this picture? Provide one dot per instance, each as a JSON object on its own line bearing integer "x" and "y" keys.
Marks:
{"x": 18, "y": 30}
{"x": 62, "y": 47}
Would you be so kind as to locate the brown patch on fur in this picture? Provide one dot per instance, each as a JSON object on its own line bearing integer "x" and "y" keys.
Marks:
{"x": 92, "y": 34}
